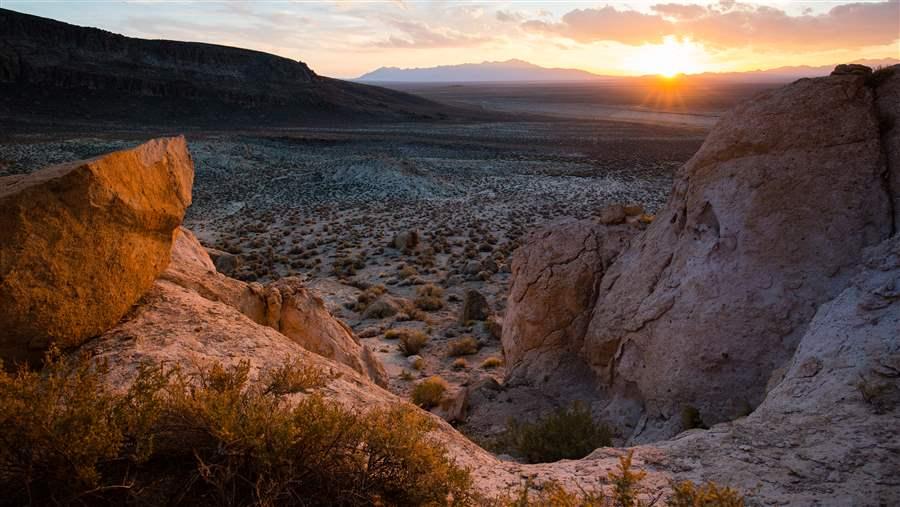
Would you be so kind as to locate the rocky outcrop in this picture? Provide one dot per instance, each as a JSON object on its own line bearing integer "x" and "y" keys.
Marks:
{"x": 888, "y": 107}
{"x": 83, "y": 241}
{"x": 766, "y": 222}
{"x": 827, "y": 434}
{"x": 555, "y": 283}
{"x": 284, "y": 305}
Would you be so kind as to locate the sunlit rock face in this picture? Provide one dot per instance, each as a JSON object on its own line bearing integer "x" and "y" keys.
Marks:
{"x": 285, "y": 305}
{"x": 83, "y": 241}
{"x": 765, "y": 223}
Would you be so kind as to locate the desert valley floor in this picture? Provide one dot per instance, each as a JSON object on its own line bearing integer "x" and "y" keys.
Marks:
{"x": 328, "y": 204}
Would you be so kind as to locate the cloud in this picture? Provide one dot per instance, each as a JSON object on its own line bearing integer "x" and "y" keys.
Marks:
{"x": 509, "y": 16}
{"x": 606, "y": 23}
{"x": 731, "y": 25}
{"x": 416, "y": 34}
{"x": 680, "y": 11}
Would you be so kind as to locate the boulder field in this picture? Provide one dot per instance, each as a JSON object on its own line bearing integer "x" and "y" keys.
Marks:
{"x": 704, "y": 310}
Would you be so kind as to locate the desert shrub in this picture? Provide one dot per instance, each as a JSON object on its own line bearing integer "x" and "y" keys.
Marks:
{"x": 347, "y": 266}
{"x": 463, "y": 346}
{"x": 429, "y": 298}
{"x": 625, "y": 491}
{"x": 709, "y": 494}
{"x": 491, "y": 362}
{"x": 63, "y": 432}
{"x": 411, "y": 341}
{"x": 568, "y": 433}
{"x": 429, "y": 392}
{"x": 210, "y": 439}
{"x": 395, "y": 333}
{"x": 625, "y": 482}
{"x": 459, "y": 364}
{"x": 294, "y": 376}
{"x": 407, "y": 272}
{"x": 368, "y": 296}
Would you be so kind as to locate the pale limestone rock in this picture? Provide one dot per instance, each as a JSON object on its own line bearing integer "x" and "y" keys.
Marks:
{"x": 285, "y": 306}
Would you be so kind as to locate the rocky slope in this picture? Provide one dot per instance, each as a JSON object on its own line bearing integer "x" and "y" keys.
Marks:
{"x": 768, "y": 221}
{"x": 44, "y": 63}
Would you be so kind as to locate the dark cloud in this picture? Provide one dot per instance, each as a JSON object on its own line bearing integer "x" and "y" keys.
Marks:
{"x": 731, "y": 24}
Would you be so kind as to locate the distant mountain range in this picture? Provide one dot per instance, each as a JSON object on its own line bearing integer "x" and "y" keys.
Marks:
{"x": 510, "y": 70}
{"x": 522, "y": 71}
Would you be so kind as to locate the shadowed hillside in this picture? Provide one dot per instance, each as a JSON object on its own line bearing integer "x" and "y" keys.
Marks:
{"x": 53, "y": 71}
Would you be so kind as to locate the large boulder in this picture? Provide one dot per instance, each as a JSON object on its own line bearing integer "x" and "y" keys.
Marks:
{"x": 765, "y": 223}
{"x": 83, "y": 241}
{"x": 555, "y": 281}
{"x": 826, "y": 434}
{"x": 475, "y": 307}
{"x": 284, "y": 305}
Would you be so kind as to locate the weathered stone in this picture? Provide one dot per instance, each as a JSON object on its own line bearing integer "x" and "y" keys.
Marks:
{"x": 475, "y": 307}
{"x": 285, "y": 306}
{"x": 226, "y": 263}
{"x": 555, "y": 275}
{"x": 633, "y": 209}
{"x": 889, "y": 123}
{"x": 766, "y": 222}
{"x": 83, "y": 241}
{"x": 612, "y": 215}
{"x": 851, "y": 69}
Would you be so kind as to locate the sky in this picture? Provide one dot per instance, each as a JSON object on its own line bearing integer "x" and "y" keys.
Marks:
{"x": 346, "y": 38}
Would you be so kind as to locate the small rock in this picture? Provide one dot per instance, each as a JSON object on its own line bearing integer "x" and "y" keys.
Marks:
{"x": 851, "y": 69}
{"x": 475, "y": 307}
{"x": 612, "y": 215}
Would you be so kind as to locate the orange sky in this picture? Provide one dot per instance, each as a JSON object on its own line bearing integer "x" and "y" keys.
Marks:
{"x": 346, "y": 38}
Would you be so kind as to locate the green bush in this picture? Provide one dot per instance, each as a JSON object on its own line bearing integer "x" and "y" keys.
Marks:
{"x": 210, "y": 439}
{"x": 568, "y": 433}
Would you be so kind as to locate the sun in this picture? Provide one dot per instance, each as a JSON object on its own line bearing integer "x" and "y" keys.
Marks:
{"x": 672, "y": 57}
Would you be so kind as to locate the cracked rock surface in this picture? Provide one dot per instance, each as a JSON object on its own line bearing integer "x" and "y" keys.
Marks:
{"x": 767, "y": 222}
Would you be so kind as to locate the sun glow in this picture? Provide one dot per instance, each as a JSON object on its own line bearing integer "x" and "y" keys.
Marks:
{"x": 674, "y": 56}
